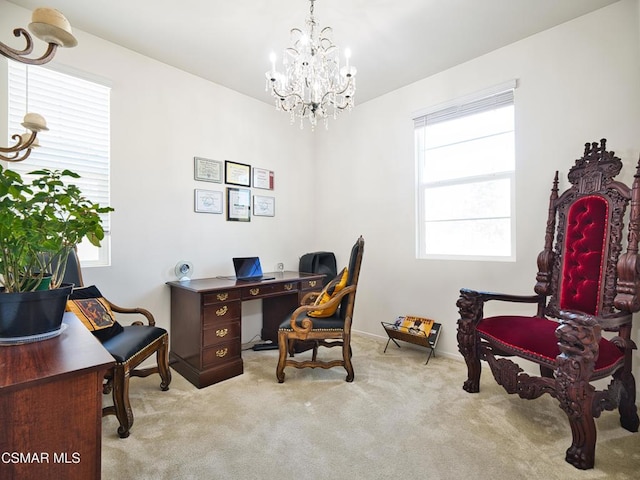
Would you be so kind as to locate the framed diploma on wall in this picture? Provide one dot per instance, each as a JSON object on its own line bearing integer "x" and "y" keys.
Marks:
{"x": 237, "y": 173}
{"x": 262, "y": 178}
{"x": 207, "y": 170}
{"x": 208, "y": 201}
{"x": 238, "y": 204}
{"x": 264, "y": 206}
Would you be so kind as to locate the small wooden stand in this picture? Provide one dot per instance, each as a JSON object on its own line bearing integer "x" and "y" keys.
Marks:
{"x": 413, "y": 335}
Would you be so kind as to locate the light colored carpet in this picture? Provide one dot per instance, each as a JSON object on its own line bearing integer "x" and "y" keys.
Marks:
{"x": 398, "y": 419}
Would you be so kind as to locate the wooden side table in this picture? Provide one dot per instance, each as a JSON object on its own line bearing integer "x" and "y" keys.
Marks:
{"x": 51, "y": 406}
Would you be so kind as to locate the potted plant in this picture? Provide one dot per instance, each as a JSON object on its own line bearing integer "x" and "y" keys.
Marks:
{"x": 40, "y": 222}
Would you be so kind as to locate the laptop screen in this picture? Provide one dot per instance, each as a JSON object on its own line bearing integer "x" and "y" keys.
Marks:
{"x": 247, "y": 267}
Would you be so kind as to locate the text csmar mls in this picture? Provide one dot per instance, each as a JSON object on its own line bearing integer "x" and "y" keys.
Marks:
{"x": 40, "y": 457}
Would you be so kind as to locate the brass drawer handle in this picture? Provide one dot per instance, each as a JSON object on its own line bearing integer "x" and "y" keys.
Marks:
{"x": 288, "y": 286}
{"x": 254, "y": 291}
{"x": 222, "y": 296}
{"x": 222, "y": 332}
{"x": 312, "y": 283}
{"x": 222, "y": 311}
{"x": 222, "y": 352}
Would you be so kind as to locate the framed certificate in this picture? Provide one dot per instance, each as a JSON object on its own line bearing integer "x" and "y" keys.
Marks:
{"x": 208, "y": 201}
{"x": 237, "y": 173}
{"x": 262, "y": 178}
{"x": 264, "y": 206}
{"x": 238, "y": 204}
{"x": 207, "y": 170}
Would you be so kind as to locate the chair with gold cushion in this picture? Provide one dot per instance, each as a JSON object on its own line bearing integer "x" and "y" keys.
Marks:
{"x": 129, "y": 345}
{"x": 323, "y": 319}
{"x": 585, "y": 286}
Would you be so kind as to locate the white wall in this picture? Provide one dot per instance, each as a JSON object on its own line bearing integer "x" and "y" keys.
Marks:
{"x": 578, "y": 83}
{"x": 161, "y": 118}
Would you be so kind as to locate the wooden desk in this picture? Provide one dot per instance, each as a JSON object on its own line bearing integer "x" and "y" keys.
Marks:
{"x": 205, "y": 320}
{"x": 51, "y": 406}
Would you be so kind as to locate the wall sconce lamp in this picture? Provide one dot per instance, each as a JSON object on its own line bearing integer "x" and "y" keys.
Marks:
{"x": 52, "y": 27}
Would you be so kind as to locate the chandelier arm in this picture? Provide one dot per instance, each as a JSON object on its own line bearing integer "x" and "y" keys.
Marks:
{"x": 285, "y": 95}
{"x": 20, "y": 145}
{"x": 15, "y": 157}
{"x": 330, "y": 93}
{"x": 21, "y": 55}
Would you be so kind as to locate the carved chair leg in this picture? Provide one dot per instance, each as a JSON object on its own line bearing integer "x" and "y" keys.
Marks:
{"x": 162, "y": 357}
{"x": 346, "y": 355}
{"x": 292, "y": 347}
{"x": 283, "y": 345}
{"x": 468, "y": 347}
{"x": 627, "y": 407}
{"x": 121, "y": 403}
{"x": 581, "y": 453}
{"x": 108, "y": 383}
{"x": 314, "y": 356}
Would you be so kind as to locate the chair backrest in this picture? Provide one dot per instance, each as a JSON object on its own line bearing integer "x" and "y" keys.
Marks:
{"x": 72, "y": 272}
{"x": 581, "y": 272}
{"x": 355, "y": 260}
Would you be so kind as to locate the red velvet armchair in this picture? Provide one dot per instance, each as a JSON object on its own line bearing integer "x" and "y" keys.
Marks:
{"x": 585, "y": 286}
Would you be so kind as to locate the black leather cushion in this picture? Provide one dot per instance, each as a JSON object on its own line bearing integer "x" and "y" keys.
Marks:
{"x": 131, "y": 340}
{"x": 83, "y": 293}
{"x": 329, "y": 323}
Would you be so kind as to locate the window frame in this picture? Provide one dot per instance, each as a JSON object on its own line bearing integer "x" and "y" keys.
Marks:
{"x": 452, "y": 109}
{"x": 95, "y": 173}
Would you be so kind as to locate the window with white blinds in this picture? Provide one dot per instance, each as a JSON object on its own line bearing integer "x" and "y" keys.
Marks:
{"x": 78, "y": 117}
{"x": 465, "y": 159}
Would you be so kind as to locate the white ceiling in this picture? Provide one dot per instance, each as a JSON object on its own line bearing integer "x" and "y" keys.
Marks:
{"x": 393, "y": 42}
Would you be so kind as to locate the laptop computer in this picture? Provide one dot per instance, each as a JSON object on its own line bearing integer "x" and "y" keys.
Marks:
{"x": 249, "y": 269}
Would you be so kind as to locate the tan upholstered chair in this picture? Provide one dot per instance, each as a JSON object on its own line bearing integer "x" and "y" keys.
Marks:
{"x": 129, "y": 345}
{"x": 585, "y": 286}
{"x": 327, "y": 331}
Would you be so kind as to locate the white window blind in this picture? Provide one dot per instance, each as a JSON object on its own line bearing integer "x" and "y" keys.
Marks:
{"x": 77, "y": 112}
{"x": 465, "y": 154}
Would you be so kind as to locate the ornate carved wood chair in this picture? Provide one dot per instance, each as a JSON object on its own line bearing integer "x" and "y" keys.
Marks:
{"x": 129, "y": 345}
{"x": 327, "y": 331}
{"x": 585, "y": 285}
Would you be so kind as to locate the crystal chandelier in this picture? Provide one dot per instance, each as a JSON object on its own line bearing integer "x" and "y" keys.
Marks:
{"x": 313, "y": 85}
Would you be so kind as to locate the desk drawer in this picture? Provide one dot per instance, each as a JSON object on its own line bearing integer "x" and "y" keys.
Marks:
{"x": 214, "y": 314}
{"x": 312, "y": 285}
{"x": 220, "y": 354}
{"x": 259, "y": 291}
{"x": 221, "y": 332}
{"x": 221, "y": 296}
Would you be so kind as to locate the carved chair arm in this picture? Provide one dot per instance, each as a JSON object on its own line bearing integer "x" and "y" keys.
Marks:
{"x": 309, "y": 298}
{"x": 471, "y": 302}
{"x": 306, "y": 325}
{"x": 628, "y": 286}
{"x": 150, "y": 320}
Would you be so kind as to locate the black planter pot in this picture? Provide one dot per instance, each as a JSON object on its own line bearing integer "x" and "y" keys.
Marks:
{"x": 31, "y": 316}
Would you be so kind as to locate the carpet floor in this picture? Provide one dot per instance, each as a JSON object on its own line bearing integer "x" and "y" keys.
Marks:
{"x": 399, "y": 418}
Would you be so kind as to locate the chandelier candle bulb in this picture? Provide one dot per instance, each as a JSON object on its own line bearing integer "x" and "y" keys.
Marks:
{"x": 35, "y": 122}
{"x": 51, "y": 26}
